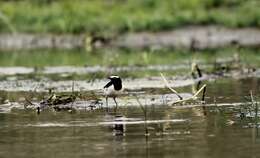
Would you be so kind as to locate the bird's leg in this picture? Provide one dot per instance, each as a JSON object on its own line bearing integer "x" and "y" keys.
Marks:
{"x": 38, "y": 110}
{"x": 114, "y": 98}
{"x": 107, "y": 103}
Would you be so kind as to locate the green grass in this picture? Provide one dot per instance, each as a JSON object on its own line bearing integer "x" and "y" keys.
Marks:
{"x": 41, "y": 58}
{"x": 118, "y": 16}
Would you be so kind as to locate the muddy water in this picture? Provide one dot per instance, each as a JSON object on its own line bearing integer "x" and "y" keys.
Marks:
{"x": 173, "y": 132}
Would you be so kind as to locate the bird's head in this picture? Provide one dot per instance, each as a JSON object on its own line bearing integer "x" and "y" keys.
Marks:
{"x": 115, "y": 81}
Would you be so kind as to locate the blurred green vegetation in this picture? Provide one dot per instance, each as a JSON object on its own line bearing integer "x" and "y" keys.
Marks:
{"x": 109, "y": 58}
{"x": 119, "y": 16}
{"x": 41, "y": 58}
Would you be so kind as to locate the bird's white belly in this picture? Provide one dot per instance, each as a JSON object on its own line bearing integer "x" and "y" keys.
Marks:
{"x": 111, "y": 92}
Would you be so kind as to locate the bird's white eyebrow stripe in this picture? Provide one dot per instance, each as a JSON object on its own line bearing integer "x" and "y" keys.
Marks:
{"x": 114, "y": 76}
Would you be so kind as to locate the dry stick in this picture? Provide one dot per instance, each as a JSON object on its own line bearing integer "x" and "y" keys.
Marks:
{"x": 168, "y": 86}
{"x": 198, "y": 92}
{"x": 191, "y": 98}
{"x": 175, "y": 92}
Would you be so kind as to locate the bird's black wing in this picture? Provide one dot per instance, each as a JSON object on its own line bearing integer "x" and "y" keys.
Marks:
{"x": 108, "y": 84}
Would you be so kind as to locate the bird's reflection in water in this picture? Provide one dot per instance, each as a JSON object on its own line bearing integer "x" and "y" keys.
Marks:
{"x": 119, "y": 128}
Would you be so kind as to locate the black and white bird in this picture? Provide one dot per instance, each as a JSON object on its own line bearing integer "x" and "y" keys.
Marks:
{"x": 113, "y": 88}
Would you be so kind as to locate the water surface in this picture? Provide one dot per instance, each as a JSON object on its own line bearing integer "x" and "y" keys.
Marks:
{"x": 173, "y": 132}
